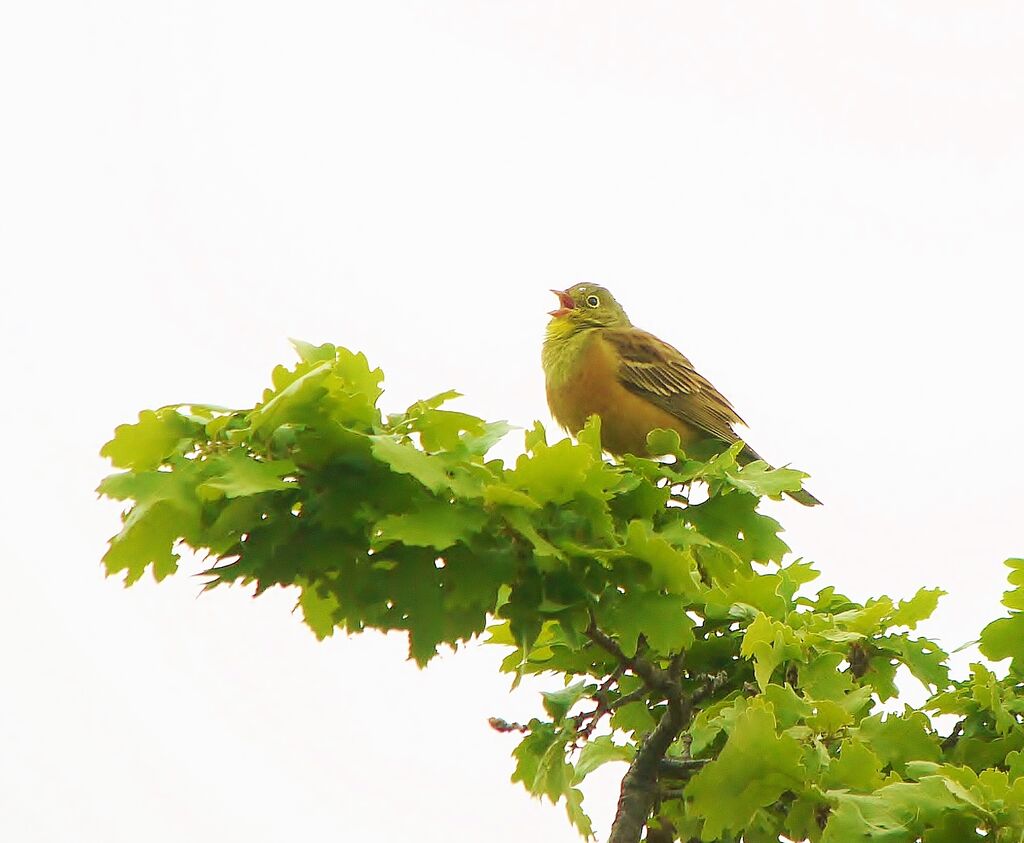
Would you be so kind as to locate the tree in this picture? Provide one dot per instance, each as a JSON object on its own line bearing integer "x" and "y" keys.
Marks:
{"x": 682, "y": 638}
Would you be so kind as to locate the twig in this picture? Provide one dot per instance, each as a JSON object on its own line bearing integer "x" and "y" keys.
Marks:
{"x": 679, "y": 768}
{"x": 951, "y": 740}
{"x": 500, "y": 725}
{"x": 712, "y": 685}
{"x": 635, "y": 696}
{"x": 604, "y": 707}
{"x": 653, "y": 676}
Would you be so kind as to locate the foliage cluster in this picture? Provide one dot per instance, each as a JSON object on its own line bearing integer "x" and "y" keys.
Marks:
{"x": 683, "y": 639}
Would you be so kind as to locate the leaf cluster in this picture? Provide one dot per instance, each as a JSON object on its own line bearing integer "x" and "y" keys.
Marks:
{"x": 681, "y": 633}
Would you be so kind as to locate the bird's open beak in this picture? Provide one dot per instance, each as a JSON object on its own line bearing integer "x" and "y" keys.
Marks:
{"x": 565, "y": 303}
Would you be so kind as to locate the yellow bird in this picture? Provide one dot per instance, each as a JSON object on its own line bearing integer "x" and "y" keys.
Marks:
{"x": 597, "y": 363}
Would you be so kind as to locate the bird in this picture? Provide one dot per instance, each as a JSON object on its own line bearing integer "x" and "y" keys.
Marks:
{"x": 596, "y": 362}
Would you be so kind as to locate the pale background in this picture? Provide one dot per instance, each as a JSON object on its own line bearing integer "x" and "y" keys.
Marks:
{"x": 820, "y": 203}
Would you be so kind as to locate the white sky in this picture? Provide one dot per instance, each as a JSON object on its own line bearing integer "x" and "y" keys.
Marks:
{"x": 820, "y": 204}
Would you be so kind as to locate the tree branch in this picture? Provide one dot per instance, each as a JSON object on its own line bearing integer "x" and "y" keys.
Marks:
{"x": 636, "y": 696}
{"x": 653, "y": 676}
{"x": 639, "y": 785}
{"x": 679, "y": 768}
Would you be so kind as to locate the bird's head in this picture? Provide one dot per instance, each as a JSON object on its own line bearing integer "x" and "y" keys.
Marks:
{"x": 587, "y": 306}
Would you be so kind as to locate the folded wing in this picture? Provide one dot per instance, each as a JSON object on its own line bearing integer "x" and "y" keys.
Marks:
{"x": 660, "y": 373}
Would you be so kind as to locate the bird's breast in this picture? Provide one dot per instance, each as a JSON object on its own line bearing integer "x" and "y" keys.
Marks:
{"x": 590, "y": 385}
{"x": 580, "y": 384}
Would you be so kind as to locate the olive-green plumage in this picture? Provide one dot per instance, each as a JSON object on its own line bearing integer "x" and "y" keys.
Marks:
{"x": 597, "y": 363}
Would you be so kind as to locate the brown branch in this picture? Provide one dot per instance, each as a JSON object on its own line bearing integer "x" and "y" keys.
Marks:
{"x": 954, "y": 736}
{"x": 613, "y": 677}
{"x": 635, "y": 696}
{"x": 653, "y": 676}
{"x": 712, "y": 685}
{"x": 679, "y": 768}
{"x": 639, "y": 793}
{"x": 592, "y": 718}
{"x": 660, "y": 830}
{"x": 639, "y": 785}
{"x": 500, "y": 725}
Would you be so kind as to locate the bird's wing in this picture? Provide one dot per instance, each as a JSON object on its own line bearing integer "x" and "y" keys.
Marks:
{"x": 660, "y": 373}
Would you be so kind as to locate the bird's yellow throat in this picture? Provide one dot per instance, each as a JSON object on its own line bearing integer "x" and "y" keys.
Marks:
{"x": 563, "y": 344}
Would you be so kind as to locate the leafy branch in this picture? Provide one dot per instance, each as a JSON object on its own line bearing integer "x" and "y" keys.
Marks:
{"x": 684, "y": 640}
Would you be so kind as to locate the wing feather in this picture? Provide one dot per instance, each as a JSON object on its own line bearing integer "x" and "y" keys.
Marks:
{"x": 660, "y": 373}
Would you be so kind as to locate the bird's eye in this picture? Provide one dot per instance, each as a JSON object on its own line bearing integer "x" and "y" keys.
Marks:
{"x": 593, "y": 301}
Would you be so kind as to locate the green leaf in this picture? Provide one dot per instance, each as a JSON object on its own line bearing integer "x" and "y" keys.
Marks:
{"x": 793, "y": 576}
{"x": 868, "y": 819}
{"x": 558, "y": 703}
{"x": 590, "y": 435}
{"x": 359, "y": 379}
{"x": 406, "y": 459}
{"x": 661, "y": 441}
{"x": 574, "y": 810}
{"x": 754, "y": 769}
{"x": 294, "y": 399}
{"x": 318, "y": 611}
{"x": 865, "y": 619}
{"x": 478, "y": 444}
{"x": 146, "y": 444}
{"x": 148, "y": 540}
{"x": 661, "y": 618}
{"x": 899, "y": 739}
{"x": 434, "y": 523}
{"x": 759, "y": 478}
{"x": 499, "y": 495}
{"x": 634, "y": 718}
{"x": 559, "y": 473}
{"x": 600, "y": 751}
{"x": 856, "y": 768}
{"x": 920, "y": 607}
{"x": 1014, "y": 599}
{"x": 788, "y": 707}
{"x": 759, "y": 591}
{"x": 442, "y": 430}
{"x": 821, "y": 679}
{"x": 542, "y": 548}
{"x": 897, "y": 812}
{"x": 553, "y": 773}
{"x": 955, "y": 828}
{"x": 237, "y": 474}
{"x": 1004, "y": 638}
{"x": 733, "y": 520}
{"x": 309, "y": 353}
{"x": 829, "y": 717}
{"x": 768, "y": 643}
{"x": 536, "y": 438}
{"x": 672, "y": 569}
{"x": 166, "y": 509}
{"x": 926, "y": 661}
{"x": 531, "y": 751}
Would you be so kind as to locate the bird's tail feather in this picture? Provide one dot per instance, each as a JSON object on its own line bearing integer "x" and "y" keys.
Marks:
{"x": 804, "y": 497}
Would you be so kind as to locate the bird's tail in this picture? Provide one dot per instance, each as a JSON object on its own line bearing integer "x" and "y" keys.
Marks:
{"x": 804, "y": 497}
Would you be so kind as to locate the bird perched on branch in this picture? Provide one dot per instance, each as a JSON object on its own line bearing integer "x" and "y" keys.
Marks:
{"x": 597, "y": 363}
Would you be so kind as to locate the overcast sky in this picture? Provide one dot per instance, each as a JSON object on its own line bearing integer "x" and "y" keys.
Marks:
{"x": 821, "y": 204}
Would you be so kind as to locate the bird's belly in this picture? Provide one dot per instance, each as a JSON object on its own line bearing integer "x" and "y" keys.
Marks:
{"x": 626, "y": 418}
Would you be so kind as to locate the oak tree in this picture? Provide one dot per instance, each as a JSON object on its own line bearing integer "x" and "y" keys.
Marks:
{"x": 678, "y": 634}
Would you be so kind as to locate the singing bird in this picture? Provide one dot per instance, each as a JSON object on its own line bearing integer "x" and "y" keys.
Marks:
{"x": 597, "y": 363}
